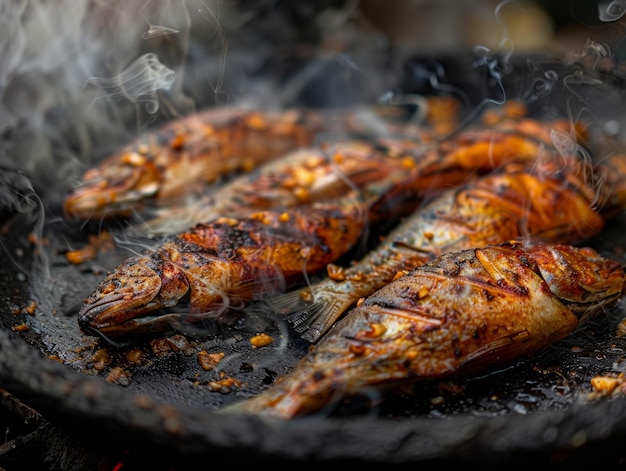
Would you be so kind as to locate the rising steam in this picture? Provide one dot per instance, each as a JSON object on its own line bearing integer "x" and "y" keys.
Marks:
{"x": 140, "y": 82}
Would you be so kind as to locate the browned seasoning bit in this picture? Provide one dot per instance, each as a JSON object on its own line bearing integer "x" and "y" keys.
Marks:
{"x": 606, "y": 385}
{"x": 375, "y": 331}
{"x": 224, "y": 385}
{"x": 411, "y": 355}
{"x": 408, "y": 162}
{"x": 227, "y": 221}
{"x": 335, "y": 273}
{"x": 30, "y": 309}
{"x": 301, "y": 194}
{"x": 357, "y": 350}
{"x": 118, "y": 376}
{"x": 100, "y": 359}
{"x": 304, "y": 177}
{"x": 256, "y": 121}
{"x": 177, "y": 142}
{"x": 357, "y": 276}
{"x": 134, "y": 356}
{"x": 76, "y": 257}
{"x": 20, "y": 327}
{"x": 164, "y": 345}
{"x": 209, "y": 361}
{"x": 261, "y": 216}
{"x": 160, "y": 347}
{"x": 378, "y": 330}
{"x": 102, "y": 241}
{"x": 261, "y": 340}
{"x": 338, "y": 158}
{"x": 135, "y": 159}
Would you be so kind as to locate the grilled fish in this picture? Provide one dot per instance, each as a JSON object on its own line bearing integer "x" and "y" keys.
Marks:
{"x": 554, "y": 199}
{"x": 388, "y": 177}
{"x": 185, "y": 153}
{"x": 190, "y": 153}
{"x": 464, "y": 312}
{"x": 220, "y": 265}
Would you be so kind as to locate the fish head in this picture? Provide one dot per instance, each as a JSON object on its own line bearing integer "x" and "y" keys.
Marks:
{"x": 580, "y": 277}
{"x": 125, "y": 299}
{"x": 113, "y": 187}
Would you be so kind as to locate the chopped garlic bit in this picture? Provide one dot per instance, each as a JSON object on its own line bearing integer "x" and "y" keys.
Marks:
{"x": 209, "y": 361}
{"x": 224, "y": 385}
{"x": 335, "y": 273}
{"x": 261, "y": 340}
{"x": 606, "y": 385}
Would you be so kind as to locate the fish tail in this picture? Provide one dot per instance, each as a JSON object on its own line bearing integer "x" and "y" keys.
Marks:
{"x": 312, "y": 318}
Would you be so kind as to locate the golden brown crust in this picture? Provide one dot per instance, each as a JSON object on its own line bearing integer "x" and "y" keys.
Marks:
{"x": 463, "y": 312}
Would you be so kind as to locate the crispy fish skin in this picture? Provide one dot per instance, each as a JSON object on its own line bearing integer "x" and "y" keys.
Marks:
{"x": 388, "y": 178}
{"x": 464, "y": 312}
{"x": 195, "y": 150}
{"x": 221, "y": 264}
{"x": 298, "y": 178}
{"x": 191, "y": 152}
{"x": 551, "y": 199}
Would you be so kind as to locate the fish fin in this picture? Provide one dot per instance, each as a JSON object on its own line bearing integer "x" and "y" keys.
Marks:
{"x": 314, "y": 318}
{"x": 289, "y": 302}
{"x": 498, "y": 351}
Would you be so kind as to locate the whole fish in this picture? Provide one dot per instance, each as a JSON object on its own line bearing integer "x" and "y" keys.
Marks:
{"x": 554, "y": 199}
{"x": 298, "y": 178}
{"x": 387, "y": 177}
{"x": 407, "y": 170}
{"x": 185, "y": 154}
{"x": 219, "y": 265}
{"x": 188, "y": 154}
{"x": 464, "y": 312}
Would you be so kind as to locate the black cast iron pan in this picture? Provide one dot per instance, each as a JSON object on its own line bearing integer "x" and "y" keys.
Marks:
{"x": 152, "y": 400}
{"x": 152, "y": 403}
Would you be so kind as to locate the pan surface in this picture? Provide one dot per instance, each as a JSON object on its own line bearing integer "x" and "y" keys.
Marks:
{"x": 158, "y": 393}
{"x": 156, "y": 398}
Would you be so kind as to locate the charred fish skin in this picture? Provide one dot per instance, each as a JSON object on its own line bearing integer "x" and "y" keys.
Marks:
{"x": 298, "y": 178}
{"x": 204, "y": 147}
{"x": 187, "y": 152}
{"x": 389, "y": 175}
{"x": 552, "y": 199}
{"x": 393, "y": 176}
{"x": 221, "y": 264}
{"x": 462, "y": 313}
